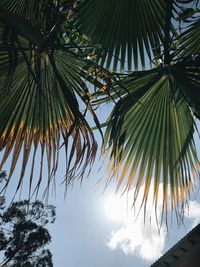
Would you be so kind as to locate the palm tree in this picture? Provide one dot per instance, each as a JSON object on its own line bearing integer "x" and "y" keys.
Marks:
{"x": 143, "y": 55}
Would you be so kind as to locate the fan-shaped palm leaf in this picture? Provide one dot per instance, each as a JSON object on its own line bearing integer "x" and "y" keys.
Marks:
{"x": 42, "y": 76}
{"x": 127, "y": 29}
{"x": 150, "y": 133}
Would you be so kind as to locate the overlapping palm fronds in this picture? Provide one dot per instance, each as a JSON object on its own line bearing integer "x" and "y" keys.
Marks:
{"x": 47, "y": 52}
{"x": 150, "y": 132}
{"x": 42, "y": 74}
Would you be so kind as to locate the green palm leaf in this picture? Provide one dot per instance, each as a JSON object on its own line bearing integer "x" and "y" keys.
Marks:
{"x": 190, "y": 40}
{"x": 42, "y": 79}
{"x": 150, "y": 134}
{"x": 189, "y": 26}
{"x": 127, "y": 29}
{"x": 187, "y": 73}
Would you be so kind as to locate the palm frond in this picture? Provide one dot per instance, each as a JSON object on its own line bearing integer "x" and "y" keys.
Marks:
{"x": 40, "y": 87}
{"x": 188, "y": 41}
{"x": 187, "y": 73}
{"x": 190, "y": 44}
{"x": 127, "y": 30}
{"x": 150, "y": 135}
{"x": 39, "y": 14}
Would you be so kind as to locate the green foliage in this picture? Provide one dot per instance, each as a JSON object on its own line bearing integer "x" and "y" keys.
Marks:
{"x": 47, "y": 68}
{"x": 42, "y": 74}
{"x": 122, "y": 28}
{"x": 161, "y": 148}
{"x": 23, "y": 235}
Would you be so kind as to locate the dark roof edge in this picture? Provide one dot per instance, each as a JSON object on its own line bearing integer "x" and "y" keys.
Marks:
{"x": 177, "y": 245}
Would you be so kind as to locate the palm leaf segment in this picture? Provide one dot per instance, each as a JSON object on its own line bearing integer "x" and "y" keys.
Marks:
{"x": 124, "y": 29}
{"x": 189, "y": 39}
{"x": 41, "y": 78}
{"x": 150, "y": 133}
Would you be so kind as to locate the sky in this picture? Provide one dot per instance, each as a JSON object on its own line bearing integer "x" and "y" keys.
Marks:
{"x": 98, "y": 229}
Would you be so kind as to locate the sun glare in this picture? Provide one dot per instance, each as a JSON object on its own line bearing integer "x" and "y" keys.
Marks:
{"x": 115, "y": 208}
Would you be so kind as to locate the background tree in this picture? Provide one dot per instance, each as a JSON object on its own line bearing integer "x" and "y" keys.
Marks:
{"x": 23, "y": 235}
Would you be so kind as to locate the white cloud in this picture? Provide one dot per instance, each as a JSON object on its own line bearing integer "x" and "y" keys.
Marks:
{"x": 133, "y": 237}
